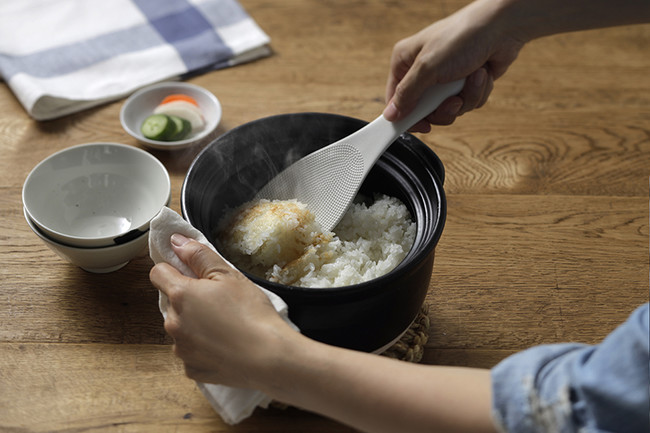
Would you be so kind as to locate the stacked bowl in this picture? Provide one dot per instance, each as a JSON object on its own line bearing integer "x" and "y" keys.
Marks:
{"x": 92, "y": 203}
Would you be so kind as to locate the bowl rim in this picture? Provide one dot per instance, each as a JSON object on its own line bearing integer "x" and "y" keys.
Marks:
{"x": 38, "y": 232}
{"x": 110, "y": 240}
{"x": 353, "y": 290}
{"x": 171, "y": 145}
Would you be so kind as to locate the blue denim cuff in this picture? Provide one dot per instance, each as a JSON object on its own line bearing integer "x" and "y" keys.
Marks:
{"x": 576, "y": 387}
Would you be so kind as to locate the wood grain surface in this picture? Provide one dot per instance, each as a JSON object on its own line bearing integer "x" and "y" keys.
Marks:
{"x": 546, "y": 237}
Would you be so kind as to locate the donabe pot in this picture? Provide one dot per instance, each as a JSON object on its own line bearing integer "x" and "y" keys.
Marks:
{"x": 368, "y": 316}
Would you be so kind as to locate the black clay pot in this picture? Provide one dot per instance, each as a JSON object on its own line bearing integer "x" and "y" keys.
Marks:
{"x": 368, "y": 316}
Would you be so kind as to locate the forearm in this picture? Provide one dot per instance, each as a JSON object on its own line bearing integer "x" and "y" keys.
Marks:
{"x": 378, "y": 394}
{"x": 531, "y": 19}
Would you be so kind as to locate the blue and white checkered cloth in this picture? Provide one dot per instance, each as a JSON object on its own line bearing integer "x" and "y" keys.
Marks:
{"x": 63, "y": 56}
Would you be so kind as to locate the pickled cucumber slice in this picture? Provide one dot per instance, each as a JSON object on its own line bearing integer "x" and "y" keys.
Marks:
{"x": 183, "y": 127}
{"x": 158, "y": 127}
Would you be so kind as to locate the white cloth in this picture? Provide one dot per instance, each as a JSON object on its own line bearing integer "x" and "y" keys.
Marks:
{"x": 63, "y": 56}
{"x": 232, "y": 404}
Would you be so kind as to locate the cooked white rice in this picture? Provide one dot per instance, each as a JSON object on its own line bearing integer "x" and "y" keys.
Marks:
{"x": 281, "y": 242}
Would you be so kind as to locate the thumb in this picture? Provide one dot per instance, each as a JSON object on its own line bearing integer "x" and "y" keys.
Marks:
{"x": 408, "y": 92}
{"x": 203, "y": 261}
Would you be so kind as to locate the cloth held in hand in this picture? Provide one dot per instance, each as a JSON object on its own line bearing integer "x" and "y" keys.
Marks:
{"x": 232, "y": 404}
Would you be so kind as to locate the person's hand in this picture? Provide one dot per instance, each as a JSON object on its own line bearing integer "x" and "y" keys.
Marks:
{"x": 226, "y": 331}
{"x": 469, "y": 43}
{"x": 224, "y": 327}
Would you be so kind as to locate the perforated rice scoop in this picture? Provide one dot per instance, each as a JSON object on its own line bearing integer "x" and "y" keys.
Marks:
{"x": 328, "y": 179}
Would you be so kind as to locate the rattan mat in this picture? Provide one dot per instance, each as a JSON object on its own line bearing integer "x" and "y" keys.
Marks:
{"x": 411, "y": 346}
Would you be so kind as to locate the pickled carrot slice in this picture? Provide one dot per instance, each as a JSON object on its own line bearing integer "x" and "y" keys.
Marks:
{"x": 179, "y": 97}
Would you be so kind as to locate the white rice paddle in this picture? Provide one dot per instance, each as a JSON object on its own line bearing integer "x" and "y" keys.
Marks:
{"x": 328, "y": 179}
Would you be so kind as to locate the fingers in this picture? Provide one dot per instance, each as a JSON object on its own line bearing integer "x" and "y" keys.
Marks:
{"x": 475, "y": 93}
{"x": 202, "y": 260}
{"x": 447, "y": 112}
{"x": 220, "y": 322}
{"x": 198, "y": 374}
{"x": 166, "y": 278}
{"x": 440, "y": 53}
{"x": 407, "y": 93}
{"x": 402, "y": 58}
{"x": 478, "y": 87}
{"x": 409, "y": 76}
{"x": 423, "y": 126}
{"x": 169, "y": 281}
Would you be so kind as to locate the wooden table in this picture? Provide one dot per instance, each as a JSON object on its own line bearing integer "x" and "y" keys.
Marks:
{"x": 546, "y": 237}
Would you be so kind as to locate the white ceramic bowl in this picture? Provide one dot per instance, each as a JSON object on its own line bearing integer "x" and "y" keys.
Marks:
{"x": 141, "y": 104}
{"x": 96, "y": 194}
{"x": 98, "y": 260}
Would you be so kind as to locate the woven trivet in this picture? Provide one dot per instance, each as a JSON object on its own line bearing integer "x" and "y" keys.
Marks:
{"x": 409, "y": 348}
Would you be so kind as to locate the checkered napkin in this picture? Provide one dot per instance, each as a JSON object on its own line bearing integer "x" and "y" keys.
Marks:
{"x": 63, "y": 56}
{"x": 232, "y": 404}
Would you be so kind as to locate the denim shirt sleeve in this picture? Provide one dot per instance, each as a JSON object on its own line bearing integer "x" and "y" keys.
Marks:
{"x": 576, "y": 387}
